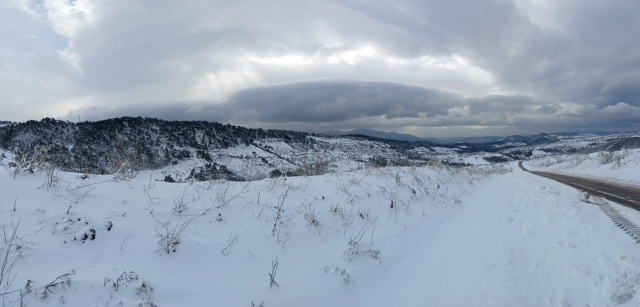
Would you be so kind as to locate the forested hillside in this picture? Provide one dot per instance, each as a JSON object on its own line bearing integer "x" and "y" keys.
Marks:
{"x": 143, "y": 143}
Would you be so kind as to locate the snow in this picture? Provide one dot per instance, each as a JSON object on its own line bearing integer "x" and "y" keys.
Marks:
{"x": 510, "y": 144}
{"x": 513, "y": 247}
{"x": 620, "y": 166}
{"x": 475, "y": 159}
{"x": 245, "y": 151}
{"x": 487, "y": 235}
{"x": 444, "y": 150}
{"x": 277, "y": 146}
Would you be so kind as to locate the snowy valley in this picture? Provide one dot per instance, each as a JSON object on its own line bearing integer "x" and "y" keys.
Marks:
{"x": 292, "y": 219}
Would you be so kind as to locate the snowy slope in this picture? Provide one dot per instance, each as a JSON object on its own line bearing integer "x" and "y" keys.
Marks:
{"x": 430, "y": 236}
{"x": 306, "y": 223}
{"x": 622, "y": 165}
{"x": 533, "y": 244}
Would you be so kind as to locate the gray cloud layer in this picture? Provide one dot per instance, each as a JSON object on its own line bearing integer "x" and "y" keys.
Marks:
{"x": 431, "y": 67}
{"x": 347, "y": 104}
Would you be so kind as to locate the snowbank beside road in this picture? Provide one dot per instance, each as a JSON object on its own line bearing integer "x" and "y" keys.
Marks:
{"x": 620, "y": 166}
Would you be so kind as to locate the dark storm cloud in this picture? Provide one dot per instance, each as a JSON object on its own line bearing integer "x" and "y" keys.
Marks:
{"x": 338, "y": 100}
{"x": 331, "y": 104}
{"x": 344, "y": 104}
{"x": 320, "y": 101}
{"x": 623, "y": 90}
{"x": 548, "y": 108}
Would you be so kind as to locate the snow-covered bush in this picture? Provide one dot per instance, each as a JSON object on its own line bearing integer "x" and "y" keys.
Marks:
{"x": 61, "y": 282}
{"x": 180, "y": 203}
{"x": 311, "y": 216}
{"x": 357, "y": 248}
{"x": 142, "y": 288}
{"x": 310, "y": 167}
{"x": 616, "y": 158}
{"x": 124, "y": 279}
{"x": 171, "y": 236}
{"x": 45, "y": 159}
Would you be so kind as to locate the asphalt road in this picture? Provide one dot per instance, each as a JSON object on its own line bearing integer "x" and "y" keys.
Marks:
{"x": 623, "y": 194}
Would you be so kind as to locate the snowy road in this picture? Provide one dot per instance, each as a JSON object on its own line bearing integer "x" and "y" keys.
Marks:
{"x": 519, "y": 240}
{"x": 623, "y": 194}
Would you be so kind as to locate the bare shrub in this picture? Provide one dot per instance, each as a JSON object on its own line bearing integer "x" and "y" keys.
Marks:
{"x": 272, "y": 275}
{"x": 315, "y": 167}
{"x": 10, "y": 253}
{"x": 357, "y": 248}
{"x": 339, "y": 210}
{"x": 43, "y": 159}
{"x": 233, "y": 238}
{"x": 277, "y": 216}
{"x": 142, "y": 288}
{"x": 311, "y": 216}
{"x": 128, "y": 159}
{"x": 171, "y": 236}
{"x": 180, "y": 202}
{"x": 123, "y": 280}
{"x": 60, "y": 282}
{"x": 226, "y": 194}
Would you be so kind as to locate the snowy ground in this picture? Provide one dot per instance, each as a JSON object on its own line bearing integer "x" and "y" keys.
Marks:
{"x": 482, "y": 236}
{"x": 532, "y": 244}
{"x": 621, "y": 166}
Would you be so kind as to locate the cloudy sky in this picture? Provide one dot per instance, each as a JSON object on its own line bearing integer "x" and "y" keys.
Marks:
{"x": 432, "y": 68}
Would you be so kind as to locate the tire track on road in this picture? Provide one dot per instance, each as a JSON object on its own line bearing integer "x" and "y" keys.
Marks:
{"x": 625, "y": 195}
{"x": 616, "y": 217}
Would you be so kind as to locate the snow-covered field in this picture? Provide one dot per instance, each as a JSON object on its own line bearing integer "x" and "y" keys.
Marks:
{"x": 488, "y": 235}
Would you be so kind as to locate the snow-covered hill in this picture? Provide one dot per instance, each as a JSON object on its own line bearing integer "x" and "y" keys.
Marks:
{"x": 200, "y": 151}
{"x": 396, "y": 236}
{"x": 206, "y": 243}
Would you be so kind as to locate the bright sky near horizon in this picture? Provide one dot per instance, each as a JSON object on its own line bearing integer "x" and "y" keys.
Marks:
{"x": 435, "y": 68}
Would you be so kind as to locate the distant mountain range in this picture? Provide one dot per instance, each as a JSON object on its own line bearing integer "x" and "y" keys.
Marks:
{"x": 452, "y": 140}
{"x": 412, "y": 138}
{"x": 388, "y": 135}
